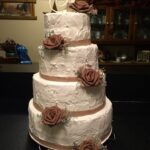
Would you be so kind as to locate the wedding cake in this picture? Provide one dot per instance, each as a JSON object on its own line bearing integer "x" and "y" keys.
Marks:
{"x": 69, "y": 109}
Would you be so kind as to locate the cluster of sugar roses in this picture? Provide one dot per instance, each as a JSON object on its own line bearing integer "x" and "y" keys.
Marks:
{"x": 87, "y": 75}
{"x": 54, "y": 115}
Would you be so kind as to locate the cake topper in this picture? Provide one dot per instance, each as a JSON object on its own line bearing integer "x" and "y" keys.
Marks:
{"x": 59, "y": 5}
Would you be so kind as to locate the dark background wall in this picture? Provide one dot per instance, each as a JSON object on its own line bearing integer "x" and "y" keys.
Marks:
{"x": 15, "y": 91}
{"x": 128, "y": 87}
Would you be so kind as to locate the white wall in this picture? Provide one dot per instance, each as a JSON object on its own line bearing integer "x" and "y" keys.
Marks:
{"x": 30, "y": 33}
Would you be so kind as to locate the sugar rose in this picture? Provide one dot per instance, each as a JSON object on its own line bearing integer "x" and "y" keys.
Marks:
{"x": 90, "y": 77}
{"x": 88, "y": 145}
{"x": 53, "y": 115}
{"x": 81, "y": 6}
{"x": 54, "y": 42}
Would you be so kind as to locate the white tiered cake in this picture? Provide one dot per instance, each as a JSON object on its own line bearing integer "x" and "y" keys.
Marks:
{"x": 69, "y": 104}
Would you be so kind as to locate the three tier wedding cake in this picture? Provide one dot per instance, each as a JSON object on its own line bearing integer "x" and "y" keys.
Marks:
{"x": 69, "y": 109}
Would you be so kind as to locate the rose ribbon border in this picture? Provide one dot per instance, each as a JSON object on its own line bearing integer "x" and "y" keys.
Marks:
{"x": 76, "y": 113}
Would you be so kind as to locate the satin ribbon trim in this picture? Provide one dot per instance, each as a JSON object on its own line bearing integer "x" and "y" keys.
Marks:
{"x": 76, "y": 113}
{"x": 60, "y": 79}
{"x": 78, "y": 43}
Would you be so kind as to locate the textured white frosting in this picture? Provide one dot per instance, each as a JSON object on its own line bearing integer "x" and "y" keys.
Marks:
{"x": 76, "y": 129}
{"x": 67, "y": 62}
{"x": 71, "y": 25}
{"x": 69, "y": 95}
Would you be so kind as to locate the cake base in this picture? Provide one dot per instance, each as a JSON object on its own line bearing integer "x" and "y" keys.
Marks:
{"x": 53, "y": 146}
{"x": 96, "y": 125}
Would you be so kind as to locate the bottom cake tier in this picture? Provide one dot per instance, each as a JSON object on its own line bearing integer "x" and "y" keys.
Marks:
{"x": 72, "y": 132}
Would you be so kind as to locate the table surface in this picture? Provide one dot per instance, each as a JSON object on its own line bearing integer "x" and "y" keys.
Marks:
{"x": 130, "y": 132}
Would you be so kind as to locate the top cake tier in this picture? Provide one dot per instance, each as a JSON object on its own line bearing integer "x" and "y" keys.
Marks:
{"x": 73, "y": 26}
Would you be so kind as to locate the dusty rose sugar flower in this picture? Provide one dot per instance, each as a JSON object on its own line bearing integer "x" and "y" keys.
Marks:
{"x": 53, "y": 116}
{"x": 88, "y": 145}
{"x": 83, "y": 7}
{"x": 54, "y": 42}
{"x": 90, "y": 77}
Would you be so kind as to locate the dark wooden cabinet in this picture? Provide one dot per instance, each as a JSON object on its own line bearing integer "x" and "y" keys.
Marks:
{"x": 99, "y": 24}
{"x": 126, "y": 29}
{"x": 111, "y": 24}
{"x": 141, "y": 30}
{"x": 120, "y": 24}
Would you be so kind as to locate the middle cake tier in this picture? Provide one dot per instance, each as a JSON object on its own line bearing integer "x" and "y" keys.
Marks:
{"x": 67, "y": 62}
{"x": 67, "y": 95}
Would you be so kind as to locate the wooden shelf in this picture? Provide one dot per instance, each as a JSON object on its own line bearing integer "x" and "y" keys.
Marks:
{"x": 121, "y": 42}
{"x": 109, "y": 67}
{"x": 129, "y": 63}
{"x": 20, "y": 68}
